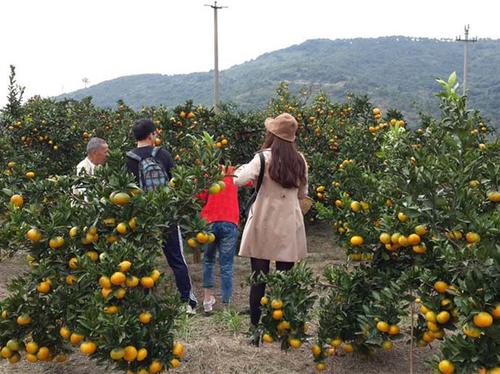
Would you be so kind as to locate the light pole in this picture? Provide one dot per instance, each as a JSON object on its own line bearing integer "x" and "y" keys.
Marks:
{"x": 216, "y": 98}
{"x": 466, "y": 41}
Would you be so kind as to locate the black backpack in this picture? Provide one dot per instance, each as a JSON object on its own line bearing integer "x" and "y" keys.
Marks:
{"x": 151, "y": 173}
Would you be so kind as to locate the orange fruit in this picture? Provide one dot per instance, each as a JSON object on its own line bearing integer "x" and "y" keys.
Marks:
{"x": 56, "y": 242}
{"x": 75, "y": 338}
{"x": 5, "y": 352}
{"x": 109, "y": 221}
{"x": 112, "y": 309}
{"x": 175, "y": 363}
{"x": 472, "y": 237}
{"x": 336, "y": 342}
{"x": 191, "y": 242}
{"x": 266, "y": 338}
{"x": 446, "y": 367}
{"x": 214, "y": 189}
{"x": 356, "y": 206}
{"x": 145, "y": 317}
{"x": 142, "y": 354}
{"x": 14, "y": 359}
{"x": 70, "y": 280}
{"x": 118, "y": 278}
{"x": 34, "y": 235}
{"x": 178, "y": 350}
{"x": 276, "y": 304}
{"x": 385, "y": 238}
{"x": 119, "y": 293}
{"x": 483, "y": 319}
{"x": 430, "y": 316}
{"x": 129, "y": 353}
{"x": 402, "y": 217}
{"x": 147, "y": 282}
{"x": 414, "y": 239}
{"x": 320, "y": 366}
{"x": 264, "y": 301}
{"x": 30, "y": 357}
{"x": 23, "y": 320}
{"x": 155, "y": 274}
{"x": 357, "y": 241}
{"x": 201, "y": 237}
{"x": 494, "y": 196}
{"x": 17, "y": 200}
{"x": 496, "y": 312}
{"x": 294, "y": 343}
{"x": 116, "y": 354}
{"x": 393, "y": 330}
{"x": 132, "y": 281}
{"x": 64, "y": 332}
{"x": 43, "y": 287}
{"x": 120, "y": 198}
{"x": 395, "y": 238}
{"x": 421, "y": 230}
{"x": 403, "y": 241}
{"x": 347, "y": 347}
{"x": 43, "y": 354}
{"x": 73, "y": 263}
{"x": 283, "y": 325}
{"x": 105, "y": 292}
{"x": 92, "y": 255}
{"x": 387, "y": 345}
{"x": 105, "y": 282}
{"x": 32, "y": 347}
{"x": 88, "y": 348}
{"x": 124, "y": 266}
{"x": 440, "y": 286}
{"x": 316, "y": 350}
{"x": 277, "y": 314}
{"x": 471, "y": 331}
{"x": 121, "y": 228}
{"x": 419, "y": 249}
{"x": 382, "y": 326}
{"x": 443, "y": 317}
{"x": 30, "y": 175}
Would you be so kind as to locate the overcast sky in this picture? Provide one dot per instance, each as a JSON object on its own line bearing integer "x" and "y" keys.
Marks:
{"x": 56, "y": 43}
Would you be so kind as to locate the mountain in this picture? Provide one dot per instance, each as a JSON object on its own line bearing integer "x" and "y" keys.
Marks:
{"x": 395, "y": 72}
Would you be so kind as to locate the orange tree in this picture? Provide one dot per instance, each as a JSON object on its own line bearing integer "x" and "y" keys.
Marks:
{"x": 286, "y": 306}
{"x": 432, "y": 220}
{"x": 93, "y": 282}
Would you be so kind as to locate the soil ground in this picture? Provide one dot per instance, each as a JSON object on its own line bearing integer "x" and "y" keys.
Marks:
{"x": 217, "y": 344}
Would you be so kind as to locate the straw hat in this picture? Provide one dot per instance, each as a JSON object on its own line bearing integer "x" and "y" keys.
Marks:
{"x": 284, "y": 126}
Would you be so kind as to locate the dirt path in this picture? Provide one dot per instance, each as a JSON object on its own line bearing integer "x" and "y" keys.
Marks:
{"x": 217, "y": 344}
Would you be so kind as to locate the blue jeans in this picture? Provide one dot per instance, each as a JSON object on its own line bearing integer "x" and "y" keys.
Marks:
{"x": 226, "y": 236}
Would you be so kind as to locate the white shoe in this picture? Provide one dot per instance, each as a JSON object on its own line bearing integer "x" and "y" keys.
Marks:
{"x": 208, "y": 305}
{"x": 190, "y": 310}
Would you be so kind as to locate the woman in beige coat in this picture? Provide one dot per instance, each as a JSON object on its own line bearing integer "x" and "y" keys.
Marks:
{"x": 275, "y": 226}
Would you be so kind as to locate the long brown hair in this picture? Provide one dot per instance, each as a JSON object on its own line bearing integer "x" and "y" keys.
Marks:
{"x": 287, "y": 167}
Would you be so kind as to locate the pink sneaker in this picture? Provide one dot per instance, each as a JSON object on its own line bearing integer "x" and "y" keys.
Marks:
{"x": 208, "y": 304}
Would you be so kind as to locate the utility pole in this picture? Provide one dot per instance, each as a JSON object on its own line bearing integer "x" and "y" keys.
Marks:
{"x": 216, "y": 98}
{"x": 466, "y": 41}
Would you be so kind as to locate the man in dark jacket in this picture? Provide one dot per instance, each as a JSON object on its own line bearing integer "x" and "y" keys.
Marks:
{"x": 144, "y": 132}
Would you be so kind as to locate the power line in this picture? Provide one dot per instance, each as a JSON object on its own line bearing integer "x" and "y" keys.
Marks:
{"x": 216, "y": 98}
{"x": 466, "y": 42}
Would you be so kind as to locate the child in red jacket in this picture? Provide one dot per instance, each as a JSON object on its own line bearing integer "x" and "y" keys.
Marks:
{"x": 222, "y": 211}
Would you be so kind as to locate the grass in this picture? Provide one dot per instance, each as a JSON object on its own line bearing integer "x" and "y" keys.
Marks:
{"x": 231, "y": 319}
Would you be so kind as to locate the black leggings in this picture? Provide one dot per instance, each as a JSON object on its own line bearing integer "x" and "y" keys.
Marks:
{"x": 257, "y": 290}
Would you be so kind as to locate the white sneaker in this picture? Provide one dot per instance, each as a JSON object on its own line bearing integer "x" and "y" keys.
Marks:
{"x": 208, "y": 304}
{"x": 190, "y": 310}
